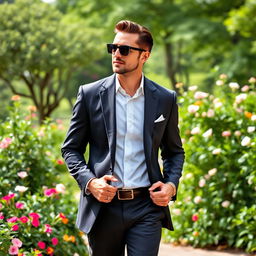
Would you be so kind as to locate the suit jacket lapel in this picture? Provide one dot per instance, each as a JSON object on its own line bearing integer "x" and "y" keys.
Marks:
{"x": 150, "y": 108}
{"x": 107, "y": 97}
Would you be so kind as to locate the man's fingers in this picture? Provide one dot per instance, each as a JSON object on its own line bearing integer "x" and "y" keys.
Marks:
{"x": 155, "y": 186}
{"x": 109, "y": 178}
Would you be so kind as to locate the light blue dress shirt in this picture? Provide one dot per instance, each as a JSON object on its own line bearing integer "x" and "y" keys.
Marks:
{"x": 130, "y": 164}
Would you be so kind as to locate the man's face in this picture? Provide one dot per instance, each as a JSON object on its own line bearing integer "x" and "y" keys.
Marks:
{"x": 133, "y": 62}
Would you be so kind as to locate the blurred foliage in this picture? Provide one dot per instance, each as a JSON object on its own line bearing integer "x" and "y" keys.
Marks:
{"x": 34, "y": 206}
{"x": 42, "y": 48}
{"x": 216, "y": 200}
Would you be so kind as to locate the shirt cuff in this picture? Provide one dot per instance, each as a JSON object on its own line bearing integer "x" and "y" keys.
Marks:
{"x": 86, "y": 191}
{"x": 173, "y": 185}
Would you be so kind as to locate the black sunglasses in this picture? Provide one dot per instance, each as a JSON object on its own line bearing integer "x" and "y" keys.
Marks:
{"x": 123, "y": 49}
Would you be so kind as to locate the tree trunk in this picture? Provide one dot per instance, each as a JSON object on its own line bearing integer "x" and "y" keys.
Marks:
{"x": 170, "y": 65}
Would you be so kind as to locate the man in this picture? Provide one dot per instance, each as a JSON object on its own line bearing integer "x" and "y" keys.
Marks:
{"x": 125, "y": 119}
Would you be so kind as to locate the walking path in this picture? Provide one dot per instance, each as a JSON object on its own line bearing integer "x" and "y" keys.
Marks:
{"x": 170, "y": 250}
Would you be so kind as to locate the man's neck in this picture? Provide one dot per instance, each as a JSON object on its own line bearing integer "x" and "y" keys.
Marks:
{"x": 130, "y": 83}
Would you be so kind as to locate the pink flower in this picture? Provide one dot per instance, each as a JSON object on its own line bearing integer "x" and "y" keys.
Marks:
{"x": 245, "y": 88}
{"x": 195, "y": 217}
{"x": 55, "y": 241}
{"x": 1, "y": 216}
{"x": 41, "y": 245}
{"x": 13, "y": 250}
{"x": 1, "y": 206}
{"x": 19, "y": 205}
{"x": 50, "y": 191}
{"x": 24, "y": 219}
{"x": 16, "y": 242}
{"x": 12, "y": 219}
{"x": 193, "y": 108}
{"x": 34, "y": 215}
{"x": 35, "y": 219}
{"x": 35, "y": 222}
{"x": 200, "y": 95}
{"x": 5, "y": 142}
{"x": 22, "y": 175}
{"x": 226, "y": 133}
{"x": 15, "y": 227}
{"x": 48, "y": 228}
{"x": 8, "y": 197}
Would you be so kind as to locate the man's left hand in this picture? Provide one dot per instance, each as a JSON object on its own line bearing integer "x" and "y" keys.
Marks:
{"x": 161, "y": 193}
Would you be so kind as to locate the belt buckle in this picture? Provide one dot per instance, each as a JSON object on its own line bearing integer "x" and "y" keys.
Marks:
{"x": 119, "y": 196}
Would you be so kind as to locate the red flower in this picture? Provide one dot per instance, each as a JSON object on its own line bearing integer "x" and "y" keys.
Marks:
{"x": 49, "y": 250}
{"x": 15, "y": 227}
{"x": 55, "y": 241}
{"x": 60, "y": 162}
{"x": 41, "y": 245}
{"x": 24, "y": 219}
{"x": 1, "y": 216}
{"x": 195, "y": 217}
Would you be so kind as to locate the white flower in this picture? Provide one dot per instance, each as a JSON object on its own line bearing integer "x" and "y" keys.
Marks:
{"x": 241, "y": 97}
{"x": 217, "y": 103}
{"x": 204, "y": 114}
{"x": 193, "y": 88}
{"x": 189, "y": 175}
{"x": 234, "y": 85}
{"x": 195, "y": 130}
{"x": 60, "y": 188}
{"x": 246, "y": 141}
{"x": 75, "y": 254}
{"x": 200, "y": 95}
{"x": 208, "y": 133}
{"x": 21, "y": 188}
{"x": 253, "y": 118}
{"x": 252, "y": 80}
{"x": 202, "y": 183}
{"x": 225, "y": 204}
{"x": 176, "y": 211}
{"x": 193, "y": 108}
{"x": 251, "y": 129}
{"x": 212, "y": 171}
{"x": 216, "y": 151}
{"x": 237, "y": 133}
{"x": 197, "y": 199}
{"x": 219, "y": 82}
{"x": 210, "y": 113}
{"x": 22, "y": 175}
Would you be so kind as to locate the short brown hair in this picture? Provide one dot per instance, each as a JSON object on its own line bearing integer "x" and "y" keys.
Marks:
{"x": 145, "y": 37}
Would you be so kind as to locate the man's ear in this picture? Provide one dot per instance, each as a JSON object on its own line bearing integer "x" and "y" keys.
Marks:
{"x": 145, "y": 56}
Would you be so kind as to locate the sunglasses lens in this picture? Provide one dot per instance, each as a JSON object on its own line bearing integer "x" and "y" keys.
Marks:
{"x": 111, "y": 48}
{"x": 124, "y": 50}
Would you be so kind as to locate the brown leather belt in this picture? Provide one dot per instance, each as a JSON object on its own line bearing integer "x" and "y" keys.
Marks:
{"x": 130, "y": 194}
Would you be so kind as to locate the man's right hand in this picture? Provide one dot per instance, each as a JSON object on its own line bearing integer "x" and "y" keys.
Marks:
{"x": 101, "y": 190}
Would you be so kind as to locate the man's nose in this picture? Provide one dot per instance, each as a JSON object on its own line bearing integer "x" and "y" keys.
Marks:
{"x": 117, "y": 53}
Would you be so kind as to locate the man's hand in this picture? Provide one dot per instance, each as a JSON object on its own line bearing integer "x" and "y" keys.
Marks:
{"x": 101, "y": 190}
{"x": 161, "y": 193}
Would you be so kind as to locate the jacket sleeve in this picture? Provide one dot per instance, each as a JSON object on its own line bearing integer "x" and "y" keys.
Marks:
{"x": 172, "y": 151}
{"x": 77, "y": 138}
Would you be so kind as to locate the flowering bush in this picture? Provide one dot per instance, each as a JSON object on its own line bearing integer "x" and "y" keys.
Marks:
{"x": 36, "y": 214}
{"x": 216, "y": 203}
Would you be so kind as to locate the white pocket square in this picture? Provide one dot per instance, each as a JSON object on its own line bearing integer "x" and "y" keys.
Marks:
{"x": 159, "y": 119}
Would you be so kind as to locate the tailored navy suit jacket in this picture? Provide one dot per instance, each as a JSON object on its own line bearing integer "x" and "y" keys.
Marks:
{"x": 94, "y": 123}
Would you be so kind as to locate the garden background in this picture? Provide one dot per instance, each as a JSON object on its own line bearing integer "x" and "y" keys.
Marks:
{"x": 205, "y": 50}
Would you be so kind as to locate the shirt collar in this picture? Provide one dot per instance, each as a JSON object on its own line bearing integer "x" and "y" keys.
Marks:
{"x": 139, "y": 91}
